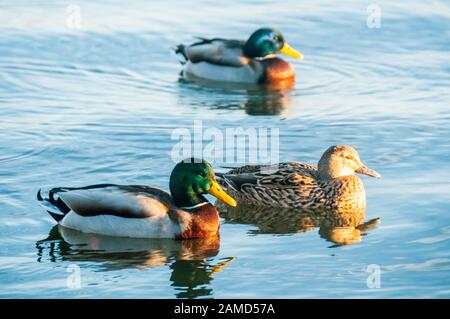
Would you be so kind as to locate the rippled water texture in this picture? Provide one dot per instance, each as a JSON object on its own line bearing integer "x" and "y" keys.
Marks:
{"x": 99, "y": 104}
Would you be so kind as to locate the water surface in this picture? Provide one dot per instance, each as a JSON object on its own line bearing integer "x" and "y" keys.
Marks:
{"x": 99, "y": 104}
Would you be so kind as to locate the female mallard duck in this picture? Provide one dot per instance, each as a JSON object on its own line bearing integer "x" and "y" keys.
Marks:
{"x": 143, "y": 211}
{"x": 330, "y": 186}
{"x": 251, "y": 61}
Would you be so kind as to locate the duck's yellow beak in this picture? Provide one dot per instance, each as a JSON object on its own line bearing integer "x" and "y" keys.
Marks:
{"x": 219, "y": 193}
{"x": 287, "y": 50}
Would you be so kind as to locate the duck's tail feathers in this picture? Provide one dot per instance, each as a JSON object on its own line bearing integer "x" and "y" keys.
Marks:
{"x": 53, "y": 204}
{"x": 180, "y": 49}
{"x": 57, "y": 217}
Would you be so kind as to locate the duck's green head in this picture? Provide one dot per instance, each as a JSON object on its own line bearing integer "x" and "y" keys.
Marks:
{"x": 190, "y": 179}
{"x": 268, "y": 41}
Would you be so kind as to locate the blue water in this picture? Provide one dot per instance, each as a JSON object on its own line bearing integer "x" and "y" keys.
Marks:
{"x": 99, "y": 103}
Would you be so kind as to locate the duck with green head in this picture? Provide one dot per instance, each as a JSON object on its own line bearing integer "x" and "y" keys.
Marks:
{"x": 253, "y": 61}
{"x": 142, "y": 211}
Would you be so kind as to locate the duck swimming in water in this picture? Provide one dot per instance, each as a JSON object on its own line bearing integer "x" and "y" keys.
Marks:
{"x": 253, "y": 61}
{"x": 141, "y": 211}
{"x": 331, "y": 185}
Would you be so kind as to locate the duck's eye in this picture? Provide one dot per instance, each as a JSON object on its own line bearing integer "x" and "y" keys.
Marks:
{"x": 202, "y": 174}
{"x": 349, "y": 158}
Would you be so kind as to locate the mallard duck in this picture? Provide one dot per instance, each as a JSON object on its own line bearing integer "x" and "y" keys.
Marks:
{"x": 142, "y": 211}
{"x": 331, "y": 185}
{"x": 252, "y": 61}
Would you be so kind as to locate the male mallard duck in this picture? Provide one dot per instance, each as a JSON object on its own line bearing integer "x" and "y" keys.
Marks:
{"x": 330, "y": 186}
{"x": 251, "y": 61}
{"x": 142, "y": 211}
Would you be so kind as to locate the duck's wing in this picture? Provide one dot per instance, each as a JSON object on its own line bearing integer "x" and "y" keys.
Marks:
{"x": 270, "y": 168}
{"x": 130, "y": 201}
{"x": 215, "y": 51}
{"x": 293, "y": 185}
{"x": 287, "y": 176}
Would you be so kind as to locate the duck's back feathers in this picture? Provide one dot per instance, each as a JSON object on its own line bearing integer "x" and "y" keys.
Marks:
{"x": 215, "y": 51}
{"x": 291, "y": 185}
{"x": 273, "y": 168}
{"x": 129, "y": 201}
{"x": 220, "y": 60}
{"x": 283, "y": 175}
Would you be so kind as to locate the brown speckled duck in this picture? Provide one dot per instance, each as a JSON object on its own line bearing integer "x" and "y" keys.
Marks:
{"x": 331, "y": 185}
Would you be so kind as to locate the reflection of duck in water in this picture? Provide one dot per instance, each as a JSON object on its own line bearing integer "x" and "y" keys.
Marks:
{"x": 190, "y": 260}
{"x": 341, "y": 229}
{"x": 255, "y": 100}
{"x": 191, "y": 277}
{"x": 330, "y": 186}
{"x": 141, "y": 211}
{"x": 267, "y": 101}
{"x": 252, "y": 61}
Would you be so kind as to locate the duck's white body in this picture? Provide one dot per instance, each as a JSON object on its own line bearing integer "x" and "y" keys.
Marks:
{"x": 115, "y": 210}
{"x": 110, "y": 225}
{"x": 213, "y": 72}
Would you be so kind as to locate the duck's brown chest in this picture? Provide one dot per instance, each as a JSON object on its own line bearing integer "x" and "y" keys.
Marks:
{"x": 346, "y": 196}
{"x": 277, "y": 72}
{"x": 204, "y": 222}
